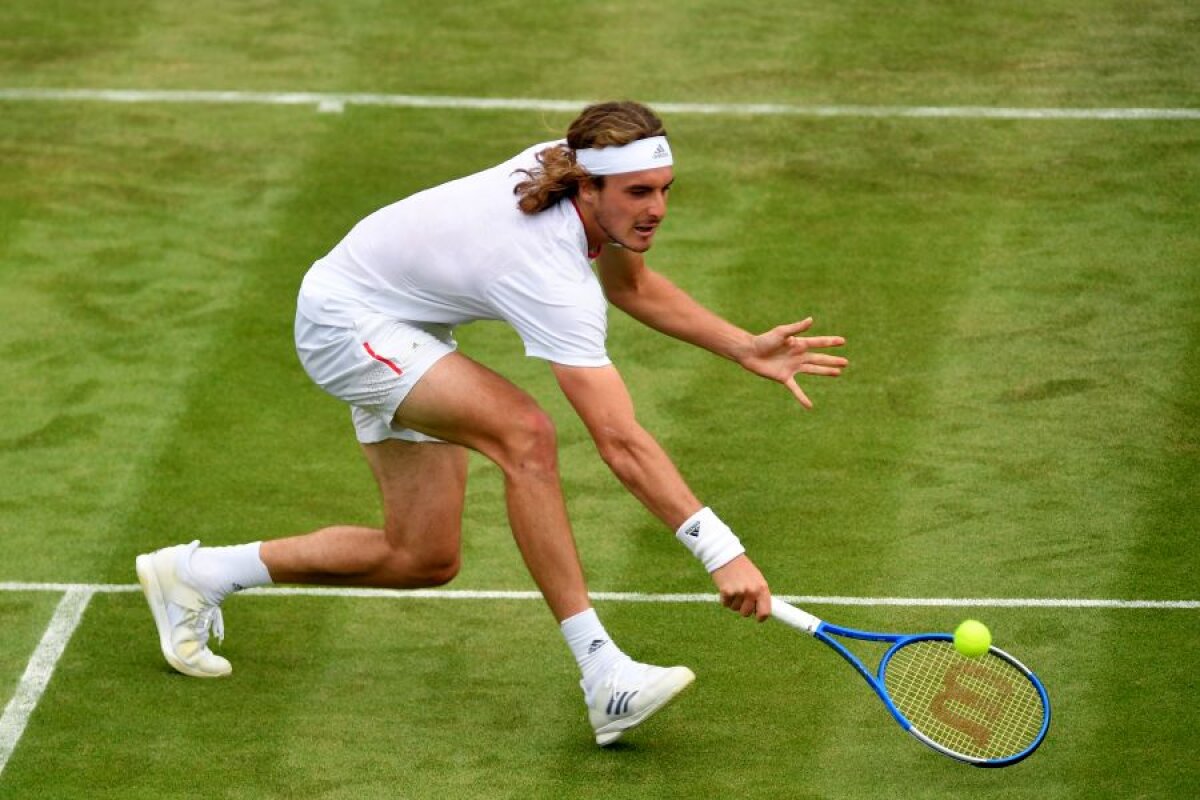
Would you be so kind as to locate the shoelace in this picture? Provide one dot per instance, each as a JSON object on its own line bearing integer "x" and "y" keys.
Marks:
{"x": 624, "y": 675}
{"x": 209, "y": 618}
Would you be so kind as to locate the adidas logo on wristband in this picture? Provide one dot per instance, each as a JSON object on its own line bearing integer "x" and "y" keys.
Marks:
{"x": 717, "y": 547}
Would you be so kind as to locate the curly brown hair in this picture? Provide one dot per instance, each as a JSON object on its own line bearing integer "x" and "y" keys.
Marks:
{"x": 558, "y": 176}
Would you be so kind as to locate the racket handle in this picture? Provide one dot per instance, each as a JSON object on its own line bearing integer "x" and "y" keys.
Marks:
{"x": 790, "y": 615}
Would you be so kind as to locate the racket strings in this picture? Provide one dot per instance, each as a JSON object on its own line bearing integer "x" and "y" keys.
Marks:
{"x": 981, "y": 707}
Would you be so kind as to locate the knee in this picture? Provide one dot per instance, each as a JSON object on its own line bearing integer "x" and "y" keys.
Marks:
{"x": 407, "y": 570}
{"x": 615, "y": 448}
{"x": 530, "y": 444}
{"x": 417, "y": 556}
{"x": 435, "y": 572}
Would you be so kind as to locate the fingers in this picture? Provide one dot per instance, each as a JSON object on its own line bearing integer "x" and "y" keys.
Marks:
{"x": 828, "y": 372}
{"x": 791, "y": 384}
{"x": 796, "y": 327}
{"x": 743, "y": 604}
{"x": 814, "y": 363}
{"x": 819, "y": 342}
{"x": 743, "y": 588}
{"x": 762, "y": 608}
{"x": 825, "y": 360}
{"x": 755, "y": 604}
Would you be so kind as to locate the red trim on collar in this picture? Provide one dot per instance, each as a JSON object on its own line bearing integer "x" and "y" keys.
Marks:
{"x": 591, "y": 253}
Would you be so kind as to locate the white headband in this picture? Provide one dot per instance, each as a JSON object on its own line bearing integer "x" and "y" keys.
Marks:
{"x": 633, "y": 157}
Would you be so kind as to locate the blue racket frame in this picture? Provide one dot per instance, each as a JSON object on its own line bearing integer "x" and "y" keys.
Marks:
{"x": 814, "y": 626}
{"x": 823, "y": 632}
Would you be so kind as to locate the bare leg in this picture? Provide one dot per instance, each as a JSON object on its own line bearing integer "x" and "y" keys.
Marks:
{"x": 462, "y": 401}
{"x": 422, "y": 486}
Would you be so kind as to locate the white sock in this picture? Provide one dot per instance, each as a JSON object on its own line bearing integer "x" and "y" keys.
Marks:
{"x": 592, "y": 647}
{"x": 217, "y": 571}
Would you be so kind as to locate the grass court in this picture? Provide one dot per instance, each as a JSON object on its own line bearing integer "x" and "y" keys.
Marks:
{"x": 1020, "y": 421}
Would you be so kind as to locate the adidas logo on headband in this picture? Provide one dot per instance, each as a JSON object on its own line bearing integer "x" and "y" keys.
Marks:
{"x": 660, "y": 152}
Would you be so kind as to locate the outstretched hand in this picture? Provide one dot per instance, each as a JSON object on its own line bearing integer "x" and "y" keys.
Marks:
{"x": 780, "y": 354}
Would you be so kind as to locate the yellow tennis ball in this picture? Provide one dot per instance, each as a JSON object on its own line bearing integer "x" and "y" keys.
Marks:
{"x": 972, "y": 638}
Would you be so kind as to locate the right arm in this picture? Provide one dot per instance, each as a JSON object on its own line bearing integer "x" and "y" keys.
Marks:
{"x": 601, "y": 399}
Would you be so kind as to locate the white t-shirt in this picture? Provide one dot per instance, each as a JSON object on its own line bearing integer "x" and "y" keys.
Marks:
{"x": 463, "y": 251}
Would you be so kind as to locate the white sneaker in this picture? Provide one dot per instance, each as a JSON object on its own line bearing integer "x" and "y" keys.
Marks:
{"x": 630, "y": 693}
{"x": 181, "y": 614}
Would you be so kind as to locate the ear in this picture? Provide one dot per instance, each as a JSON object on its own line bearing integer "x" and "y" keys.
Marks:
{"x": 588, "y": 191}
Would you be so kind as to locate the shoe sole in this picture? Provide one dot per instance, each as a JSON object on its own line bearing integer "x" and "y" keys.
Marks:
{"x": 615, "y": 730}
{"x": 148, "y": 578}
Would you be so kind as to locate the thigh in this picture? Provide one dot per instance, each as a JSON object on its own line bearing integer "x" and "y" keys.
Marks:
{"x": 423, "y": 486}
{"x": 460, "y": 400}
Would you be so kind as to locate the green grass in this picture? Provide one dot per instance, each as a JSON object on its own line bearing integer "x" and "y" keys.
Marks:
{"x": 1020, "y": 419}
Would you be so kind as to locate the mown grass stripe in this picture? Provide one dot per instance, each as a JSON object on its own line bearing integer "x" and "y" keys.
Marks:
{"x": 333, "y": 102}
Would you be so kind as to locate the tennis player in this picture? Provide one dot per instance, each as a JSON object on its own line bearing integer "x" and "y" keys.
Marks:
{"x": 374, "y": 327}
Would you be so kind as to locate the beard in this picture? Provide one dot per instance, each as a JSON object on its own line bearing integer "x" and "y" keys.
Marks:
{"x": 636, "y": 247}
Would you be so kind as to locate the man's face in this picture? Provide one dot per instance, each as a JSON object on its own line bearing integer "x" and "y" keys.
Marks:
{"x": 631, "y": 206}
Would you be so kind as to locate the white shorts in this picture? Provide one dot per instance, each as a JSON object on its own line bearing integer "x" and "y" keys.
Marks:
{"x": 372, "y": 366}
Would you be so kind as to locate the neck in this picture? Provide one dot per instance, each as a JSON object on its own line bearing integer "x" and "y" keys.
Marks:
{"x": 593, "y": 232}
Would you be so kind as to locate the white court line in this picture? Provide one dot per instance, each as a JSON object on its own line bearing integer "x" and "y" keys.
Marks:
{"x": 336, "y": 102}
{"x": 76, "y": 597}
{"x": 635, "y": 597}
{"x": 39, "y": 669}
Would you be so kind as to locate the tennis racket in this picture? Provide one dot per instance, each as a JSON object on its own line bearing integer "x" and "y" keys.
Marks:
{"x": 990, "y": 711}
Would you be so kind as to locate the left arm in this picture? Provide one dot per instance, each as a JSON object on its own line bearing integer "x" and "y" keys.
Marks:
{"x": 653, "y": 300}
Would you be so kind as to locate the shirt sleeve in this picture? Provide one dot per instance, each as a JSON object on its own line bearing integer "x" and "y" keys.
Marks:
{"x": 560, "y": 316}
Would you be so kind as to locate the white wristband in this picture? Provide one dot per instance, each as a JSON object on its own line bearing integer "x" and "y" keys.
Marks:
{"x": 709, "y": 539}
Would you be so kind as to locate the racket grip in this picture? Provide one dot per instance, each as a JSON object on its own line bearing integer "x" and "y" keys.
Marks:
{"x": 790, "y": 615}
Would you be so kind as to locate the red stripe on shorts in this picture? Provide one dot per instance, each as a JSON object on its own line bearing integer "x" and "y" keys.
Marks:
{"x": 378, "y": 357}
